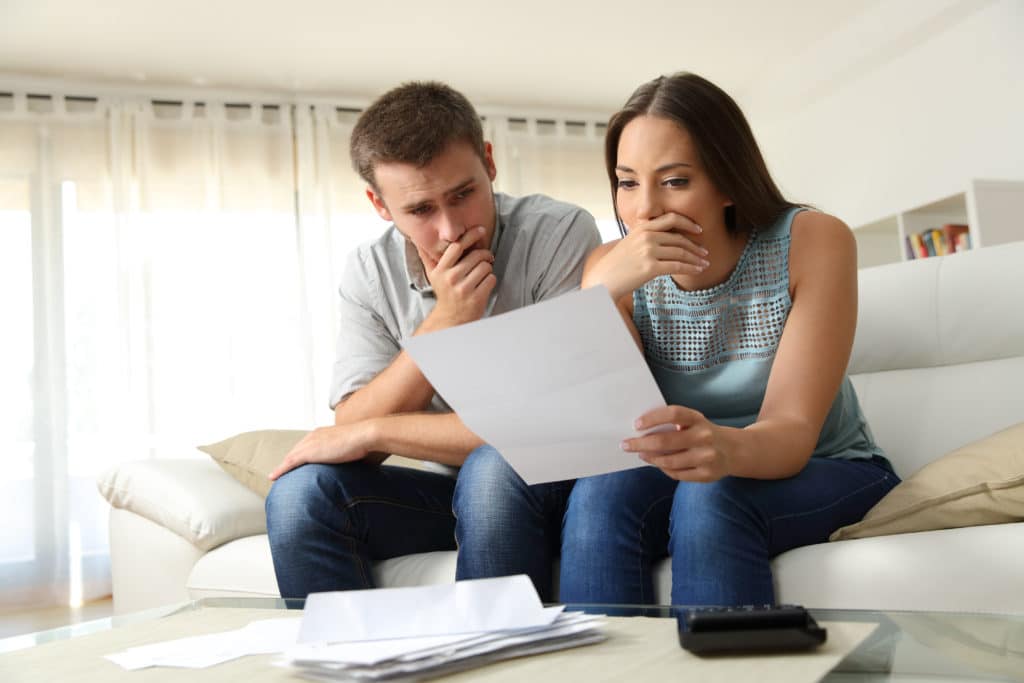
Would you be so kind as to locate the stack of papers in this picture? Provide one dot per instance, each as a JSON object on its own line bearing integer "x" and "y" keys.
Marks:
{"x": 390, "y": 633}
{"x": 423, "y": 658}
{"x": 417, "y": 633}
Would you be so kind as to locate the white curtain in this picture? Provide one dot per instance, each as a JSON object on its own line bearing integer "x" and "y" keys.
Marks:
{"x": 167, "y": 279}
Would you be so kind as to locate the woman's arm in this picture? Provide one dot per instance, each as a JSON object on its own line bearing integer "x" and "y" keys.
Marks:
{"x": 625, "y": 303}
{"x": 809, "y": 366}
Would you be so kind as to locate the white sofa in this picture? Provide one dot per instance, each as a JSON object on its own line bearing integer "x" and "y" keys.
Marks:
{"x": 938, "y": 362}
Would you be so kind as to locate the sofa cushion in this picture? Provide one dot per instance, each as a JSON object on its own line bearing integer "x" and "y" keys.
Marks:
{"x": 250, "y": 456}
{"x": 980, "y": 483}
{"x": 193, "y": 498}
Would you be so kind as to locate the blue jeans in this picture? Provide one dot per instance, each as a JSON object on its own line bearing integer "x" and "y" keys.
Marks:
{"x": 611, "y": 529}
{"x": 327, "y": 523}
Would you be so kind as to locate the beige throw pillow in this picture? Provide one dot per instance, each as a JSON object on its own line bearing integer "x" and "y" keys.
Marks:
{"x": 249, "y": 457}
{"x": 981, "y": 483}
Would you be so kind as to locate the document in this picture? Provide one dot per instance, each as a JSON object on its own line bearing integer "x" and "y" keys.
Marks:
{"x": 424, "y": 631}
{"x": 555, "y": 387}
{"x": 507, "y": 602}
{"x": 199, "y": 652}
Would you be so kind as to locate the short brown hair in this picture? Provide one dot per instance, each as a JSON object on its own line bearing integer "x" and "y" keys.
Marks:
{"x": 413, "y": 123}
{"x": 723, "y": 138}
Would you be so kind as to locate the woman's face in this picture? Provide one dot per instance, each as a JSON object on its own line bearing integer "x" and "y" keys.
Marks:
{"x": 659, "y": 171}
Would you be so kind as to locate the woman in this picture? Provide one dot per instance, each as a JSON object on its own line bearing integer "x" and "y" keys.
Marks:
{"x": 745, "y": 307}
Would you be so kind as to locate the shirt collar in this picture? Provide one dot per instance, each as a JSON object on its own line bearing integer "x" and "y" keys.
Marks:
{"x": 414, "y": 266}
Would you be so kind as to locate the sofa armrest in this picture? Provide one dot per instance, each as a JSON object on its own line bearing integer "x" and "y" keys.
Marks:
{"x": 193, "y": 498}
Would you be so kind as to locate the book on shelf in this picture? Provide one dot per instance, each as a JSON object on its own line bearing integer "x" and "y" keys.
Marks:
{"x": 951, "y": 238}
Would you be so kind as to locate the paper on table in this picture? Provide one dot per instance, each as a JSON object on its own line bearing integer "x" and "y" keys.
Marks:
{"x": 555, "y": 386}
{"x": 198, "y": 652}
{"x": 373, "y": 652}
{"x": 507, "y": 602}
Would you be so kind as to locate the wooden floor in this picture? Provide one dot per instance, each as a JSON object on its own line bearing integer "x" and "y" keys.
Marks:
{"x": 30, "y": 621}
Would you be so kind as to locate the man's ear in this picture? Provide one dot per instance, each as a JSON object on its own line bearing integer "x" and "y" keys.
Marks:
{"x": 378, "y": 204}
{"x": 492, "y": 170}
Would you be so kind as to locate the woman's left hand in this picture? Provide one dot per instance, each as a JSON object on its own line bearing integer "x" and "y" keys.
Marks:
{"x": 688, "y": 450}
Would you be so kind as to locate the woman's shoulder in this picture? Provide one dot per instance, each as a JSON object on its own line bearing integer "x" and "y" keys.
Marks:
{"x": 816, "y": 229}
{"x": 820, "y": 241}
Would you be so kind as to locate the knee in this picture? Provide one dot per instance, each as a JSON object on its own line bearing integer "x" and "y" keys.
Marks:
{"x": 592, "y": 519}
{"x": 489, "y": 495}
{"x": 702, "y": 510}
{"x": 296, "y": 495}
{"x": 484, "y": 479}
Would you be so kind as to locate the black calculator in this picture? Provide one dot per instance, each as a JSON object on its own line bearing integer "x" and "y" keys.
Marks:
{"x": 749, "y": 628}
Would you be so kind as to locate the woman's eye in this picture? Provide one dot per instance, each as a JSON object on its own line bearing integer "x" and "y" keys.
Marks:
{"x": 677, "y": 182}
{"x": 626, "y": 183}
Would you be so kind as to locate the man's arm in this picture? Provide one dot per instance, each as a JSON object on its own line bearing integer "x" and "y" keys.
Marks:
{"x": 437, "y": 437}
{"x": 462, "y": 287}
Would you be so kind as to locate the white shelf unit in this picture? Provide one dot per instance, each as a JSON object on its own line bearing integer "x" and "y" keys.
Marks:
{"x": 992, "y": 209}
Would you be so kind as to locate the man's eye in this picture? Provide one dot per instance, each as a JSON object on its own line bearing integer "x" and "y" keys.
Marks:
{"x": 464, "y": 193}
{"x": 420, "y": 211}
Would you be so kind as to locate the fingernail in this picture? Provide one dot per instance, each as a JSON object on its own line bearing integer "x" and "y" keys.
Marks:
{"x": 481, "y": 228}
{"x": 704, "y": 251}
{"x": 624, "y": 445}
{"x": 699, "y": 229}
{"x": 705, "y": 263}
{"x": 638, "y": 424}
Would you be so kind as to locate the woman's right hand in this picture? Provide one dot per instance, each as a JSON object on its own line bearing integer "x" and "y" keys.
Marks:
{"x": 660, "y": 246}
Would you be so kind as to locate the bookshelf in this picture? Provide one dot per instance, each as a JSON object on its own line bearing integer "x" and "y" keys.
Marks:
{"x": 993, "y": 210}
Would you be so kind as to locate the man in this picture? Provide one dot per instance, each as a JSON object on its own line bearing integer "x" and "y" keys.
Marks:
{"x": 456, "y": 252}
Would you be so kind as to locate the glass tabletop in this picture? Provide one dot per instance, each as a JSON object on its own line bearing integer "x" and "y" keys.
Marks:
{"x": 906, "y": 646}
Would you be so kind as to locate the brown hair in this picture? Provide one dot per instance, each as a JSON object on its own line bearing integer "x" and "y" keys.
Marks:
{"x": 413, "y": 123}
{"x": 723, "y": 138}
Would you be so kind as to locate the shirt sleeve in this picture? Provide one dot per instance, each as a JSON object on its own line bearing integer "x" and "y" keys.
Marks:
{"x": 566, "y": 250}
{"x": 365, "y": 346}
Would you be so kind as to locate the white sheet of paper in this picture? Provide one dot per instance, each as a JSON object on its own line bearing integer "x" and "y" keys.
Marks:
{"x": 555, "y": 386}
{"x": 506, "y": 602}
{"x": 198, "y": 652}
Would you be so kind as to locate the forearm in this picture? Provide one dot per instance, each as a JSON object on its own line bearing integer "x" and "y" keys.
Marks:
{"x": 437, "y": 437}
{"x": 399, "y": 388}
{"x": 774, "y": 448}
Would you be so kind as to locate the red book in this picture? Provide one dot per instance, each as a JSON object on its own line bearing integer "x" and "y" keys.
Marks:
{"x": 951, "y": 232}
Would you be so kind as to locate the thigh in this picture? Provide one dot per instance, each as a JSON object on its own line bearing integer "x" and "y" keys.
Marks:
{"x": 806, "y": 508}
{"x": 488, "y": 489}
{"x": 394, "y": 510}
{"x": 634, "y": 503}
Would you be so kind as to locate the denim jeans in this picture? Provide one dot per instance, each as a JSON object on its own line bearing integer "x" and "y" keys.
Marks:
{"x": 327, "y": 523}
{"x": 611, "y": 529}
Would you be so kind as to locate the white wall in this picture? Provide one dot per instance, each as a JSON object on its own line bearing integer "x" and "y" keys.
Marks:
{"x": 877, "y": 124}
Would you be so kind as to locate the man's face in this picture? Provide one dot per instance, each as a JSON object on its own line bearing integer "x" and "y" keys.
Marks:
{"x": 436, "y": 204}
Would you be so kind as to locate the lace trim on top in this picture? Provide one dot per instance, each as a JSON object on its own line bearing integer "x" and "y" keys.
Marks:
{"x": 739, "y": 319}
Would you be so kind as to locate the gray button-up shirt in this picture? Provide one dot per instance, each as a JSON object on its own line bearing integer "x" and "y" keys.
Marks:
{"x": 539, "y": 247}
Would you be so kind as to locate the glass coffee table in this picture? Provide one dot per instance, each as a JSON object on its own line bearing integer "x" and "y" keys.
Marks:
{"x": 904, "y": 646}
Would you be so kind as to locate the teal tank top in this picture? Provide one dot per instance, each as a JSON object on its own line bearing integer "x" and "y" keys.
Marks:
{"x": 712, "y": 349}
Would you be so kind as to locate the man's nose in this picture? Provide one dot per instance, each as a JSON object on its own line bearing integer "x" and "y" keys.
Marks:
{"x": 450, "y": 226}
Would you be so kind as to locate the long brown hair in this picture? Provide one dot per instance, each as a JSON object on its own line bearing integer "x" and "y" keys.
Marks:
{"x": 723, "y": 138}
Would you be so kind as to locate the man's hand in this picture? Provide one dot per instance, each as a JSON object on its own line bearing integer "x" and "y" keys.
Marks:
{"x": 462, "y": 279}
{"x": 660, "y": 246}
{"x": 336, "y": 444}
